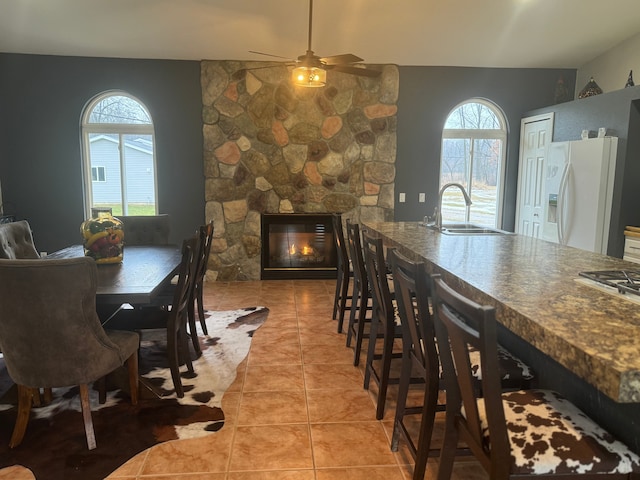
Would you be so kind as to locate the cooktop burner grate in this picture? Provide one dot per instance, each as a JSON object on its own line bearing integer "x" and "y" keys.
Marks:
{"x": 625, "y": 281}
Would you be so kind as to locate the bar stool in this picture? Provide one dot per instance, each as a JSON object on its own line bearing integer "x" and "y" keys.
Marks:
{"x": 360, "y": 294}
{"x": 344, "y": 271}
{"x": 420, "y": 360}
{"x": 513, "y": 434}
{"x": 385, "y": 323}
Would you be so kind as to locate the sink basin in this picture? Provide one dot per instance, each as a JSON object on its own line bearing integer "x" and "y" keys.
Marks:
{"x": 470, "y": 229}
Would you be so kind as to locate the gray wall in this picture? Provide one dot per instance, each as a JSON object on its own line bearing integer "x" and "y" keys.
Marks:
{"x": 619, "y": 112}
{"x": 42, "y": 97}
{"x": 41, "y": 100}
{"x": 427, "y": 96}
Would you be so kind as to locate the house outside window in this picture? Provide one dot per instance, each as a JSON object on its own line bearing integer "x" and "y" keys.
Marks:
{"x": 473, "y": 154}
{"x": 118, "y": 138}
{"x": 97, "y": 174}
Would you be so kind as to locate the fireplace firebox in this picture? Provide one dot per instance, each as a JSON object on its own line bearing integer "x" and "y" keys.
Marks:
{"x": 298, "y": 245}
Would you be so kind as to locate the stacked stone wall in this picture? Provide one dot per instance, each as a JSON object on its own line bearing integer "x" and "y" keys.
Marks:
{"x": 270, "y": 147}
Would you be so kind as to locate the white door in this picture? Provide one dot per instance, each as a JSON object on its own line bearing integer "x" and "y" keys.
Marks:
{"x": 535, "y": 134}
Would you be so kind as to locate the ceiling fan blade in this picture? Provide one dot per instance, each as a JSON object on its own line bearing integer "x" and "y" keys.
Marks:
{"x": 273, "y": 65}
{"x": 363, "y": 72}
{"x": 271, "y": 55}
{"x": 341, "y": 59}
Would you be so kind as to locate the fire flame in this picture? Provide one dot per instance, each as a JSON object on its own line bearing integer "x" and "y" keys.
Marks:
{"x": 306, "y": 250}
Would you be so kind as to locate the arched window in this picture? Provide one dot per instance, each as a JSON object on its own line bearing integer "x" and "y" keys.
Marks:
{"x": 118, "y": 155}
{"x": 473, "y": 154}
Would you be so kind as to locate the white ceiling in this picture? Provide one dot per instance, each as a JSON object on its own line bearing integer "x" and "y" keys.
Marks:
{"x": 494, "y": 33}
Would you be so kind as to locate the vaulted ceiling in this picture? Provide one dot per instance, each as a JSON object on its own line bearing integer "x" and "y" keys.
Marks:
{"x": 492, "y": 33}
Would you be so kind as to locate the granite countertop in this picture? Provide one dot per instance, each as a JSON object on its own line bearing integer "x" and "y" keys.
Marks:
{"x": 532, "y": 285}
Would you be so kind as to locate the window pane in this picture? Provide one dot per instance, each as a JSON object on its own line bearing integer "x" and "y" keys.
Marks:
{"x": 455, "y": 165}
{"x": 104, "y": 152}
{"x": 119, "y": 109}
{"x": 139, "y": 174}
{"x": 486, "y": 164}
{"x": 472, "y": 116}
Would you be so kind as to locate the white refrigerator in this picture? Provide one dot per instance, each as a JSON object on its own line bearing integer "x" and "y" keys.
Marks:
{"x": 579, "y": 192}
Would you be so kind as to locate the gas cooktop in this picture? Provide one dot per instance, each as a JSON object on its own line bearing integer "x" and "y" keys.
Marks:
{"x": 624, "y": 281}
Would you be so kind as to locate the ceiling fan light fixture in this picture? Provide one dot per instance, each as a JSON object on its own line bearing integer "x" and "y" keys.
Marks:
{"x": 309, "y": 77}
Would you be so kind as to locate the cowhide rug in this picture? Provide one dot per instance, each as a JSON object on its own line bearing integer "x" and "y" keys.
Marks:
{"x": 54, "y": 446}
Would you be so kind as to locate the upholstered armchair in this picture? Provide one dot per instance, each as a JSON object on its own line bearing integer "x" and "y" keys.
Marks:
{"x": 146, "y": 229}
{"x": 16, "y": 240}
{"x": 51, "y": 336}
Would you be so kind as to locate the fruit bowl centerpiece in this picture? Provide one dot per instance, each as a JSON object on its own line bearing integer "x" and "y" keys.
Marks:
{"x": 103, "y": 236}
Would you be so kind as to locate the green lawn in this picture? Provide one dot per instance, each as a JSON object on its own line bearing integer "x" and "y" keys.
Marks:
{"x": 134, "y": 209}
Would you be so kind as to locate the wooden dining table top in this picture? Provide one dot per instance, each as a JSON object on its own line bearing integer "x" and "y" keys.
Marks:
{"x": 139, "y": 279}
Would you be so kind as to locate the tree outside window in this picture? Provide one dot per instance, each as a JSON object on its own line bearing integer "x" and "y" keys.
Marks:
{"x": 119, "y": 156}
{"x": 473, "y": 142}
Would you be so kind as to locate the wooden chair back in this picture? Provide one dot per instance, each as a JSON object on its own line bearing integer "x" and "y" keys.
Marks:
{"x": 462, "y": 326}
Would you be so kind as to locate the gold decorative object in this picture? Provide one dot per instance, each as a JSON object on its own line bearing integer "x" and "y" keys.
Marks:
{"x": 590, "y": 89}
{"x": 103, "y": 236}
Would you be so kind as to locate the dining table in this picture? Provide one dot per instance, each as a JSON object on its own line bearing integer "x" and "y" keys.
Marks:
{"x": 140, "y": 278}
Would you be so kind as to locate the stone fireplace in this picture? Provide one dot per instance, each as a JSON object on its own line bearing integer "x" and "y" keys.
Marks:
{"x": 272, "y": 148}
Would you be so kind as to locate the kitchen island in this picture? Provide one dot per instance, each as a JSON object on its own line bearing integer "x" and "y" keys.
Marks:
{"x": 532, "y": 284}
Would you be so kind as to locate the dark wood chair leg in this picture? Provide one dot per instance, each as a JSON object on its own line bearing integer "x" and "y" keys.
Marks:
{"x": 200, "y": 301}
{"x": 101, "y": 385}
{"x": 48, "y": 395}
{"x": 193, "y": 331}
{"x": 174, "y": 362}
{"x": 86, "y": 416}
{"x": 132, "y": 367}
{"x": 25, "y": 399}
{"x": 337, "y": 299}
{"x": 362, "y": 319}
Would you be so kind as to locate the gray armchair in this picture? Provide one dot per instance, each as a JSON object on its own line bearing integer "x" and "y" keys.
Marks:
{"x": 16, "y": 240}
{"x": 51, "y": 336}
{"x": 146, "y": 229}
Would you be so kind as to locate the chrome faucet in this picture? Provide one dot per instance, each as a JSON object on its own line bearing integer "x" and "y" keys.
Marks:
{"x": 467, "y": 200}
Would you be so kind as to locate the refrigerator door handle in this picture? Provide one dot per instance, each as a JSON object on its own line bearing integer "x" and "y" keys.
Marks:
{"x": 562, "y": 203}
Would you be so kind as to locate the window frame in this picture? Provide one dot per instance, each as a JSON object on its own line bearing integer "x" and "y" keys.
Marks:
{"x": 473, "y": 134}
{"x": 121, "y": 130}
{"x": 98, "y": 169}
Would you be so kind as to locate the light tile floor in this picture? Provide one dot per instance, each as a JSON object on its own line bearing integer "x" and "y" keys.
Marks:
{"x": 297, "y": 409}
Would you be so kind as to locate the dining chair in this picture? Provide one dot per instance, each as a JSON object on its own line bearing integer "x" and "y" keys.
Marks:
{"x": 146, "y": 229}
{"x": 51, "y": 335}
{"x": 173, "y": 318}
{"x": 361, "y": 295}
{"x": 16, "y": 241}
{"x": 205, "y": 234}
{"x": 519, "y": 433}
{"x": 344, "y": 273}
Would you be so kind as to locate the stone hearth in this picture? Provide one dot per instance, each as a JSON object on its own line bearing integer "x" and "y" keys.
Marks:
{"x": 270, "y": 147}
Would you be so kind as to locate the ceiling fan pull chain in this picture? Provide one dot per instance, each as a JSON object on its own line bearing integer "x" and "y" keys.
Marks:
{"x": 310, "y": 23}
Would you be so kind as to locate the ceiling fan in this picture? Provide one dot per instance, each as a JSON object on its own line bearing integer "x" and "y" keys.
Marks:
{"x": 311, "y": 70}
